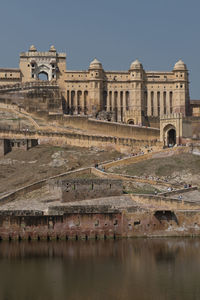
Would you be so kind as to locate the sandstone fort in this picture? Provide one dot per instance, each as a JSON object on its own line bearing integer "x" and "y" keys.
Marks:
{"x": 150, "y": 99}
{"x": 95, "y": 153}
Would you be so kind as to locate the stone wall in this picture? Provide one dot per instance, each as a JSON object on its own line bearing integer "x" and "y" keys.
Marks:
{"x": 5, "y": 146}
{"x": 71, "y": 225}
{"x": 8, "y": 145}
{"x": 108, "y": 128}
{"x": 80, "y": 140}
{"x": 69, "y": 190}
{"x": 95, "y": 224}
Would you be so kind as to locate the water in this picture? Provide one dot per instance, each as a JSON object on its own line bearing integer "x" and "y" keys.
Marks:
{"x": 120, "y": 269}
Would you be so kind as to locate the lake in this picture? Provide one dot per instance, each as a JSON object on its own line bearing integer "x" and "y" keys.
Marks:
{"x": 164, "y": 268}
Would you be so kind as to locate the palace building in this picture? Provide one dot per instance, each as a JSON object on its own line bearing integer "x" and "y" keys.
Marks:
{"x": 133, "y": 96}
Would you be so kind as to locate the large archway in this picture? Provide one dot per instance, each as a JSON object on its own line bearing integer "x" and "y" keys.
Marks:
{"x": 43, "y": 76}
{"x": 169, "y": 133}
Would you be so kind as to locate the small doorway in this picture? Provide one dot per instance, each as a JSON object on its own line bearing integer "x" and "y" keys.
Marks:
{"x": 171, "y": 138}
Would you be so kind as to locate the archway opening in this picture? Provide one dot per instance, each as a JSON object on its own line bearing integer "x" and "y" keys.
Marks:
{"x": 171, "y": 138}
{"x": 43, "y": 76}
{"x": 131, "y": 122}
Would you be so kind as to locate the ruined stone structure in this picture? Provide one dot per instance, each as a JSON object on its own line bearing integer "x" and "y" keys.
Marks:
{"x": 80, "y": 189}
{"x": 134, "y": 96}
{"x": 8, "y": 145}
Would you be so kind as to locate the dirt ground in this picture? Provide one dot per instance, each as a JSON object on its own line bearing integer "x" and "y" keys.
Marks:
{"x": 20, "y": 168}
{"x": 183, "y": 168}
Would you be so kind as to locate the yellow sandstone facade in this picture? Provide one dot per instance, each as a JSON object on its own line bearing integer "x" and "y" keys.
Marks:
{"x": 124, "y": 96}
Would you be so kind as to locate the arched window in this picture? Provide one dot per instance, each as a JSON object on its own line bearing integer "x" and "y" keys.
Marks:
{"x": 171, "y": 102}
{"x": 158, "y": 98}
{"x": 127, "y": 100}
{"x": 85, "y": 102}
{"x": 165, "y": 102}
{"x": 152, "y": 108}
{"x": 104, "y": 106}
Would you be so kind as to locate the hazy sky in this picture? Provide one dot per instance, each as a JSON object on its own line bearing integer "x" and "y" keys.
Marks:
{"x": 157, "y": 32}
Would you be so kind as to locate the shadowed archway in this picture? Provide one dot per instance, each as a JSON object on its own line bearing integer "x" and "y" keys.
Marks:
{"x": 171, "y": 137}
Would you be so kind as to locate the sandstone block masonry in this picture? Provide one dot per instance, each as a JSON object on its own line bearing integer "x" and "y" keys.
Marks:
{"x": 81, "y": 189}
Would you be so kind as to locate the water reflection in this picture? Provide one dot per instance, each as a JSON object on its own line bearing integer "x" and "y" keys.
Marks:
{"x": 121, "y": 269}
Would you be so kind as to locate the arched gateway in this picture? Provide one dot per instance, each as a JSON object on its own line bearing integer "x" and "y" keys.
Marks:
{"x": 169, "y": 133}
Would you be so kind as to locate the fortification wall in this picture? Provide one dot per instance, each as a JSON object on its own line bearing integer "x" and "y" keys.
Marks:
{"x": 108, "y": 128}
{"x": 79, "y": 140}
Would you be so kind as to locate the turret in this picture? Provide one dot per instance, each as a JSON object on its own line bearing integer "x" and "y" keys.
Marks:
{"x": 181, "y": 88}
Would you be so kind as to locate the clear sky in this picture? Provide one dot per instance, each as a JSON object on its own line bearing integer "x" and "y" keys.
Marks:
{"x": 157, "y": 32}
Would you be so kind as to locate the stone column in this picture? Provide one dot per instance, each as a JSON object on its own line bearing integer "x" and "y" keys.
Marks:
{"x": 81, "y": 99}
{"x": 113, "y": 106}
{"x": 155, "y": 104}
{"x": 161, "y": 104}
{"x": 148, "y": 103}
{"x": 75, "y": 103}
{"x": 70, "y": 102}
{"x": 167, "y": 102}
{"x": 108, "y": 102}
{"x": 118, "y": 107}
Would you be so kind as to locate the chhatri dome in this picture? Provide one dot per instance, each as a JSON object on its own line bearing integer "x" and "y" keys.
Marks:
{"x": 52, "y": 49}
{"x": 95, "y": 64}
{"x": 32, "y": 48}
{"x": 136, "y": 65}
{"x": 180, "y": 65}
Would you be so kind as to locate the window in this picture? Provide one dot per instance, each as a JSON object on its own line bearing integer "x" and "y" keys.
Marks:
{"x": 32, "y": 75}
{"x": 32, "y": 65}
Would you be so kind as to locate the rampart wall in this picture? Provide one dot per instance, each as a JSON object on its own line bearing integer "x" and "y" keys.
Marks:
{"x": 108, "y": 128}
{"x": 79, "y": 140}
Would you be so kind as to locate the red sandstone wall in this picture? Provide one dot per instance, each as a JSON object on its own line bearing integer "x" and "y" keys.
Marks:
{"x": 101, "y": 225}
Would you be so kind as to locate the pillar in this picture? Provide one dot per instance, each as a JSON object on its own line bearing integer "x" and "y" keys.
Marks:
{"x": 149, "y": 103}
{"x": 161, "y": 104}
